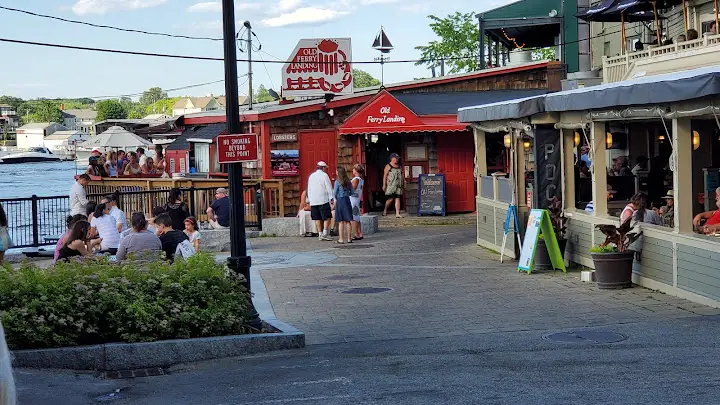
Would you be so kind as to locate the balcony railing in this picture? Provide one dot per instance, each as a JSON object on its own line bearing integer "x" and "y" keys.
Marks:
{"x": 684, "y": 55}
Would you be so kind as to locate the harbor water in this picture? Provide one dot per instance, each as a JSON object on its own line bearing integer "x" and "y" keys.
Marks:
{"x": 42, "y": 179}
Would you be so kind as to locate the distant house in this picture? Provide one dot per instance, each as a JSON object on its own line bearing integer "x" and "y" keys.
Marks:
{"x": 195, "y": 148}
{"x": 9, "y": 117}
{"x": 63, "y": 143}
{"x": 33, "y": 135}
{"x": 189, "y": 105}
{"x": 82, "y": 120}
{"x": 157, "y": 117}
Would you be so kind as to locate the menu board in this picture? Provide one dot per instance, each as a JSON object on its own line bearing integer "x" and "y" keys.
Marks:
{"x": 431, "y": 194}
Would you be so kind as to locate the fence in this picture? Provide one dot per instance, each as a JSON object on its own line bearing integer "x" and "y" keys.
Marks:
{"x": 38, "y": 221}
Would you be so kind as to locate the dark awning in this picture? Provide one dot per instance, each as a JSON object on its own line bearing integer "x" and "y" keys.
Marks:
{"x": 619, "y": 10}
{"x": 503, "y": 110}
{"x": 449, "y": 103}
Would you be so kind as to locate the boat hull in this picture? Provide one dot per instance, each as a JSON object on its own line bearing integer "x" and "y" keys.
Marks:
{"x": 28, "y": 159}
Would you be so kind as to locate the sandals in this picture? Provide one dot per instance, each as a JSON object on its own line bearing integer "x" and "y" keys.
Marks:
{"x": 339, "y": 242}
{"x": 356, "y": 238}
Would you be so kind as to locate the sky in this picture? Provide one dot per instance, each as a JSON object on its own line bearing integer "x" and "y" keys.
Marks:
{"x": 32, "y": 72}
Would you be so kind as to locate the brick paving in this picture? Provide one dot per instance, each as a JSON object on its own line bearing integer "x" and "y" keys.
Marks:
{"x": 442, "y": 285}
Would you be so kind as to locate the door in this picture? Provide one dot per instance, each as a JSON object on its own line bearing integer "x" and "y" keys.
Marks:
{"x": 202, "y": 157}
{"x": 456, "y": 152}
{"x": 314, "y": 147}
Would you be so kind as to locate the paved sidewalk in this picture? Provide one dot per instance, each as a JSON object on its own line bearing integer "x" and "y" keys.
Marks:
{"x": 442, "y": 285}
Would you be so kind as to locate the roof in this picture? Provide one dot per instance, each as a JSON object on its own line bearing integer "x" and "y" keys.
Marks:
{"x": 40, "y": 125}
{"x": 202, "y": 102}
{"x": 449, "y": 103}
{"x": 156, "y": 116}
{"x": 6, "y": 106}
{"x": 650, "y": 90}
{"x": 274, "y": 109}
{"x": 196, "y": 132}
{"x": 62, "y": 135}
{"x": 84, "y": 113}
{"x": 139, "y": 121}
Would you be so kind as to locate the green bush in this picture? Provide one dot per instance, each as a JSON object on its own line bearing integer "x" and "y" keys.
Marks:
{"x": 604, "y": 249}
{"x": 94, "y": 301}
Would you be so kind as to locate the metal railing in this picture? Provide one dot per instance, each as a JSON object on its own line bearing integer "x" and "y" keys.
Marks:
{"x": 38, "y": 221}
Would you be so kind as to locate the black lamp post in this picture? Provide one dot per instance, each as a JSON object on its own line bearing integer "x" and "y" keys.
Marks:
{"x": 239, "y": 261}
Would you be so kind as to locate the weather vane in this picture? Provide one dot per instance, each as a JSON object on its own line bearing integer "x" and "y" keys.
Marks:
{"x": 382, "y": 44}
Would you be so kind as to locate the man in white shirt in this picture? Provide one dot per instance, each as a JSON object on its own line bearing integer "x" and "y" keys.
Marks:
{"x": 320, "y": 194}
{"x": 78, "y": 195}
{"x": 141, "y": 156}
{"x": 115, "y": 212}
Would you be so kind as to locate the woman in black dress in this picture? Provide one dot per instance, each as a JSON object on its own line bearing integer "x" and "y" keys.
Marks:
{"x": 177, "y": 209}
{"x": 78, "y": 243}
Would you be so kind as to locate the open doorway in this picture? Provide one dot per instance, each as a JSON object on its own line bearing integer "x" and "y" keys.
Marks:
{"x": 378, "y": 148}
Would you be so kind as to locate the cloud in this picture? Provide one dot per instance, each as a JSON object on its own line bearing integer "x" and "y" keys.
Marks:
{"x": 284, "y": 6}
{"x": 373, "y": 2}
{"x": 416, "y": 8}
{"x": 82, "y": 7}
{"x": 216, "y": 7}
{"x": 304, "y": 15}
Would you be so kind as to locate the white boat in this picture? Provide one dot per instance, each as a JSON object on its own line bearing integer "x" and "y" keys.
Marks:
{"x": 32, "y": 155}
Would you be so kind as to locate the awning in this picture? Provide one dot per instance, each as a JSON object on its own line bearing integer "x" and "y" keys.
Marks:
{"x": 649, "y": 90}
{"x": 503, "y": 110}
{"x": 386, "y": 114}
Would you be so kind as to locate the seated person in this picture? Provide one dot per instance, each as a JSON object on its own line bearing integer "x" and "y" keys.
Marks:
{"x": 307, "y": 225}
{"x": 169, "y": 237}
{"x": 139, "y": 240}
{"x": 711, "y": 219}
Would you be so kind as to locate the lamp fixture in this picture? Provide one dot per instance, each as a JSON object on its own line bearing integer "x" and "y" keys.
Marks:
{"x": 696, "y": 140}
{"x": 373, "y": 138}
{"x": 577, "y": 138}
{"x": 526, "y": 144}
{"x": 609, "y": 140}
{"x": 507, "y": 140}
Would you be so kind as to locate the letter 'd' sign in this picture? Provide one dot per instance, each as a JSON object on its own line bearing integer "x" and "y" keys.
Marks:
{"x": 237, "y": 148}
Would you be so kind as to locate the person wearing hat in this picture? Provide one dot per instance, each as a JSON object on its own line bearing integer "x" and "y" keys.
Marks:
{"x": 96, "y": 152}
{"x": 393, "y": 184}
{"x": 667, "y": 213}
{"x": 320, "y": 194}
{"x": 219, "y": 211}
{"x": 589, "y": 208}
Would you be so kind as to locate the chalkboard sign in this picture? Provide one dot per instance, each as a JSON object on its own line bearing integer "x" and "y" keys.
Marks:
{"x": 431, "y": 194}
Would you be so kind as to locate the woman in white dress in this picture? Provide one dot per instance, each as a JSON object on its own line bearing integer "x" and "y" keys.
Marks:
{"x": 307, "y": 225}
{"x": 356, "y": 200}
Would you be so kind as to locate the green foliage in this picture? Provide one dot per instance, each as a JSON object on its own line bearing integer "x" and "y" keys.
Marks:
{"x": 164, "y": 106}
{"x": 604, "y": 249}
{"x": 153, "y": 95}
{"x": 262, "y": 95}
{"x": 46, "y": 111}
{"x": 544, "y": 54}
{"x": 94, "y": 301}
{"x": 111, "y": 109}
{"x": 13, "y": 101}
{"x": 458, "y": 43}
{"x": 363, "y": 79}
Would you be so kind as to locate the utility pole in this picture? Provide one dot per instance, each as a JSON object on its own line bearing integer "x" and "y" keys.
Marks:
{"x": 239, "y": 261}
{"x": 250, "y": 72}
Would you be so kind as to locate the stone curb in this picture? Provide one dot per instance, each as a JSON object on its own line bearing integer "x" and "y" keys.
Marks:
{"x": 165, "y": 353}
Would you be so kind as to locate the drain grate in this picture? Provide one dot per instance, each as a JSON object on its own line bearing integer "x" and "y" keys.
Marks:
{"x": 122, "y": 374}
{"x": 367, "y": 290}
{"x": 586, "y": 336}
{"x": 347, "y": 277}
{"x": 264, "y": 261}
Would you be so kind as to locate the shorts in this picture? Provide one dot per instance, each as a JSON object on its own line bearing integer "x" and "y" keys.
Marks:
{"x": 394, "y": 195}
{"x": 320, "y": 212}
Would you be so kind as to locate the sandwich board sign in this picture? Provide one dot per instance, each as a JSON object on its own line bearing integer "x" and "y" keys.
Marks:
{"x": 539, "y": 224}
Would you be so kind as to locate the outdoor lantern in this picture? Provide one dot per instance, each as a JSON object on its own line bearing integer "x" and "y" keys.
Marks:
{"x": 696, "y": 140}
{"x": 577, "y": 138}
{"x": 661, "y": 138}
{"x": 373, "y": 138}
{"x": 526, "y": 144}
{"x": 608, "y": 140}
{"x": 507, "y": 140}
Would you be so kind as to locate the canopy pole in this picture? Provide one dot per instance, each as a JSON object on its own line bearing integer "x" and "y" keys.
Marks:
{"x": 657, "y": 23}
{"x": 622, "y": 36}
{"x": 685, "y": 16}
{"x": 716, "y": 17}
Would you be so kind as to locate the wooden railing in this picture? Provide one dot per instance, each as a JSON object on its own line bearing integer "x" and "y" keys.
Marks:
{"x": 617, "y": 68}
{"x": 271, "y": 190}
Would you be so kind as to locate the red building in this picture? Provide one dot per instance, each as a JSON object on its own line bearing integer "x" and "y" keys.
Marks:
{"x": 417, "y": 120}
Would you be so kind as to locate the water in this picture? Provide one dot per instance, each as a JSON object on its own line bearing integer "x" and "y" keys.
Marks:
{"x": 42, "y": 179}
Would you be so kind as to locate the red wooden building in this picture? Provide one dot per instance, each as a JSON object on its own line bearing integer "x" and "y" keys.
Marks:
{"x": 417, "y": 120}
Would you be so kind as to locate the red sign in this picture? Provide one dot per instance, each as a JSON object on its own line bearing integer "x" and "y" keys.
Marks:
{"x": 237, "y": 148}
{"x": 382, "y": 113}
{"x": 318, "y": 67}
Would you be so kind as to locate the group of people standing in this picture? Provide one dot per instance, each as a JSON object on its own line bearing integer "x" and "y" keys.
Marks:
{"x": 120, "y": 163}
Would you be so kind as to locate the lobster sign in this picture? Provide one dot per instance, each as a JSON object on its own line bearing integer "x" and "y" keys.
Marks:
{"x": 318, "y": 67}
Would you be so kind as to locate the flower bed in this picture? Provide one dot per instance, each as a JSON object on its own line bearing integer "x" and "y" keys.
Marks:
{"x": 95, "y": 301}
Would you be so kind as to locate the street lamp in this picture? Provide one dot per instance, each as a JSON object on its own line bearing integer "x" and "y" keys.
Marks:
{"x": 239, "y": 261}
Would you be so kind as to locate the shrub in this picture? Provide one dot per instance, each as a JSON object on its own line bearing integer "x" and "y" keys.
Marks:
{"x": 94, "y": 301}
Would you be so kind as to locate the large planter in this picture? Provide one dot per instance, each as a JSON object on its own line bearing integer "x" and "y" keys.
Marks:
{"x": 613, "y": 270}
{"x": 542, "y": 257}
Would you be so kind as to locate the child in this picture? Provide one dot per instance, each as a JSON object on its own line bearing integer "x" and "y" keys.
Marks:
{"x": 191, "y": 230}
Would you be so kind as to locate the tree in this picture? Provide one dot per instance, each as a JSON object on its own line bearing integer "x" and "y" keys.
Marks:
{"x": 15, "y": 102}
{"x": 262, "y": 95}
{"x": 152, "y": 95}
{"x": 362, "y": 79}
{"x": 46, "y": 111}
{"x": 162, "y": 107}
{"x": 110, "y": 109}
{"x": 544, "y": 54}
{"x": 458, "y": 43}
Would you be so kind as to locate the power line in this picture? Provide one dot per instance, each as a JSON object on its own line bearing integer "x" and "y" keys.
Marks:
{"x": 190, "y": 86}
{"x": 163, "y": 34}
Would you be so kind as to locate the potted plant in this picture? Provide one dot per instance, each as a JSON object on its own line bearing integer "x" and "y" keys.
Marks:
{"x": 559, "y": 224}
{"x": 613, "y": 261}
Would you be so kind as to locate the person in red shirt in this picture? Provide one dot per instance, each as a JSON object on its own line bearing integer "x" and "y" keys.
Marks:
{"x": 712, "y": 223}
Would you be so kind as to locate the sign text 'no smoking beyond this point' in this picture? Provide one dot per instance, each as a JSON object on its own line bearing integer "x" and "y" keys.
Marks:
{"x": 237, "y": 148}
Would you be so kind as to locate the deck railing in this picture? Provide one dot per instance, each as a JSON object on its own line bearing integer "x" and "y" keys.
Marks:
{"x": 38, "y": 221}
{"x": 617, "y": 68}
